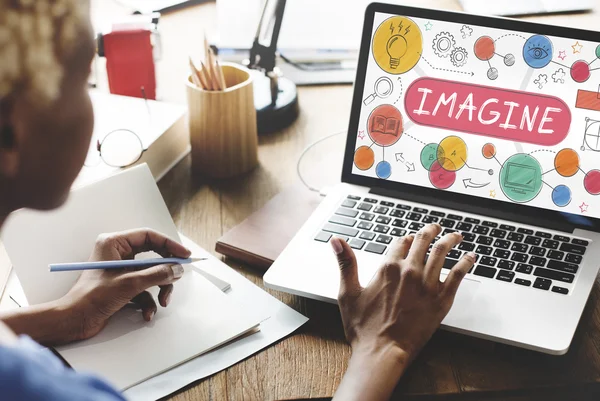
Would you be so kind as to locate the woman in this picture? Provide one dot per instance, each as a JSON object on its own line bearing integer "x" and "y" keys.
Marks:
{"x": 46, "y": 121}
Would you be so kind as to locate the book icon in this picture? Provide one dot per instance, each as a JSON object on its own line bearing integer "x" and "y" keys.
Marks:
{"x": 386, "y": 126}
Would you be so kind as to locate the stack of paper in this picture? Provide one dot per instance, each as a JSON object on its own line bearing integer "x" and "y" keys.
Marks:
{"x": 129, "y": 350}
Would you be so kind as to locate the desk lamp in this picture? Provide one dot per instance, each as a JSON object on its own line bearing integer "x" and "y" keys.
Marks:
{"x": 275, "y": 97}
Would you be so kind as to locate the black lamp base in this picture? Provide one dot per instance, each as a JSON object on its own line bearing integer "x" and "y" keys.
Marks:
{"x": 271, "y": 116}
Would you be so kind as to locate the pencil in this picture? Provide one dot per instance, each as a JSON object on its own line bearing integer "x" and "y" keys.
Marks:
{"x": 200, "y": 77}
{"x": 121, "y": 264}
{"x": 213, "y": 70}
{"x": 206, "y": 74}
{"x": 195, "y": 75}
{"x": 221, "y": 76}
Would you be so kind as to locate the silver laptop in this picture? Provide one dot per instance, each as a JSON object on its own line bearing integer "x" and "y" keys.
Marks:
{"x": 489, "y": 127}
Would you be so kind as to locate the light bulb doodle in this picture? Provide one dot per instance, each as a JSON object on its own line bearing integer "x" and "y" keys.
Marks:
{"x": 397, "y": 45}
{"x": 396, "y": 49}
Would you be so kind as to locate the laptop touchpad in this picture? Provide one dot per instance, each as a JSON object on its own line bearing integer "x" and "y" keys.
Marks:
{"x": 462, "y": 309}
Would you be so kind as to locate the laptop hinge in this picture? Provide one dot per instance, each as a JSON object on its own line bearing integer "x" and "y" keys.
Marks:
{"x": 469, "y": 208}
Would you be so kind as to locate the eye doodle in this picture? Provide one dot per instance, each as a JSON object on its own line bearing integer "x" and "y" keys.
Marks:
{"x": 538, "y": 53}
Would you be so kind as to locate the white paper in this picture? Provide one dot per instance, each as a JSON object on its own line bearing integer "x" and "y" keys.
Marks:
{"x": 34, "y": 239}
{"x": 130, "y": 350}
{"x": 283, "y": 321}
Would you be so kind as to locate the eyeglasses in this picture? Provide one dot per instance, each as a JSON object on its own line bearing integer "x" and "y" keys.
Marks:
{"x": 119, "y": 148}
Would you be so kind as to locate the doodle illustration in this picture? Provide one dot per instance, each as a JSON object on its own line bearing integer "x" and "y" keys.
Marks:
{"x": 466, "y": 31}
{"x": 538, "y": 51}
{"x": 397, "y": 45}
{"x": 541, "y": 80}
{"x": 383, "y": 88}
{"x": 492, "y": 113}
{"x": 559, "y": 76}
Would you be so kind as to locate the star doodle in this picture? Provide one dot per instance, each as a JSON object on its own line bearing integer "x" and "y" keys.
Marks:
{"x": 584, "y": 207}
{"x": 493, "y": 193}
{"x": 428, "y": 26}
{"x": 562, "y": 55}
{"x": 577, "y": 47}
{"x": 361, "y": 135}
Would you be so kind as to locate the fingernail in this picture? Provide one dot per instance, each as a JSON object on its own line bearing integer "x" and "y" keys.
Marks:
{"x": 177, "y": 271}
{"x": 472, "y": 255}
{"x": 152, "y": 315}
{"x": 336, "y": 244}
{"x": 168, "y": 299}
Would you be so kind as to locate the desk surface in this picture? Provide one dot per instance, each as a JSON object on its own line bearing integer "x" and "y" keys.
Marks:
{"x": 310, "y": 364}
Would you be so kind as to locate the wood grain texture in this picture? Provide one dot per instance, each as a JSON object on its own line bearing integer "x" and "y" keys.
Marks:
{"x": 310, "y": 363}
{"x": 223, "y": 130}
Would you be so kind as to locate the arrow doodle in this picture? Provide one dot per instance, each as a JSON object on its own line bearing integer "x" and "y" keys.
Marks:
{"x": 470, "y": 184}
{"x": 446, "y": 69}
{"x": 401, "y": 90}
{"x": 410, "y": 167}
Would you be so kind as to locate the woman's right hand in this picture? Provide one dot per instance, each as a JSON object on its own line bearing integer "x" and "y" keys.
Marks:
{"x": 388, "y": 322}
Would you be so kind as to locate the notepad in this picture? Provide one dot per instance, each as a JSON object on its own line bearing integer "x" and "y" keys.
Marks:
{"x": 129, "y": 350}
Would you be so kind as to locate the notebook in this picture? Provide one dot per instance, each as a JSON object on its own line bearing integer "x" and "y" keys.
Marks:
{"x": 260, "y": 238}
{"x": 129, "y": 350}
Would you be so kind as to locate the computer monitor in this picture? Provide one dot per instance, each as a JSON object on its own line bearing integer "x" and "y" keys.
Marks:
{"x": 494, "y": 113}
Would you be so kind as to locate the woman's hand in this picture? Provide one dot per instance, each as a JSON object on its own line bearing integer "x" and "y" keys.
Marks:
{"x": 388, "y": 322}
{"x": 98, "y": 294}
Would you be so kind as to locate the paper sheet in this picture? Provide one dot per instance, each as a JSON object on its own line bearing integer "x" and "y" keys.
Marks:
{"x": 130, "y": 350}
{"x": 283, "y": 321}
{"x": 34, "y": 239}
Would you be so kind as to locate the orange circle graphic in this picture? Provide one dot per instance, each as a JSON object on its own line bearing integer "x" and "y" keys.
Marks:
{"x": 489, "y": 150}
{"x": 385, "y": 125}
{"x": 364, "y": 158}
{"x": 484, "y": 48}
{"x": 566, "y": 162}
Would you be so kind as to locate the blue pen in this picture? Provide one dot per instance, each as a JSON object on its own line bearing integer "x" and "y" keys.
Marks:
{"x": 121, "y": 264}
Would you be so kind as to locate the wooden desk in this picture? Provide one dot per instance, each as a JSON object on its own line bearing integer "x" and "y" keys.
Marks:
{"x": 310, "y": 364}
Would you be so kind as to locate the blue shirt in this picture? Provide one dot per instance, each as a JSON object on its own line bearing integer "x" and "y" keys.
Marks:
{"x": 29, "y": 372}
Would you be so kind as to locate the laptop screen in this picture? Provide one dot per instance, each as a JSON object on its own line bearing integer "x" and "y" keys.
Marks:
{"x": 496, "y": 114}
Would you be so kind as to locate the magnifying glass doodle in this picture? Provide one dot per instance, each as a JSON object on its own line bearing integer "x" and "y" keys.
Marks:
{"x": 383, "y": 88}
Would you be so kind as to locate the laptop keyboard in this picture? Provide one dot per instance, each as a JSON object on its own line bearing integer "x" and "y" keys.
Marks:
{"x": 517, "y": 255}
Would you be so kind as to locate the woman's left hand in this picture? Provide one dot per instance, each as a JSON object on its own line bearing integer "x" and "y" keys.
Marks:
{"x": 98, "y": 294}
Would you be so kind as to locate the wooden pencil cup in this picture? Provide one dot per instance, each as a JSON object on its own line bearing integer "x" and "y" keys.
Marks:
{"x": 223, "y": 130}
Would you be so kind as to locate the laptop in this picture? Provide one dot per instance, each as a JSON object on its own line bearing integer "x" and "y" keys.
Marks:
{"x": 489, "y": 127}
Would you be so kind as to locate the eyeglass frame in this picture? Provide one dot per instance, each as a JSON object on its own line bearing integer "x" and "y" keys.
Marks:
{"x": 100, "y": 142}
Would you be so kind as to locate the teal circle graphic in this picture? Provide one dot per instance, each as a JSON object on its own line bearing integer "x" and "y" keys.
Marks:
{"x": 521, "y": 178}
{"x": 598, "y": 51}
{"x": 429, "y": 155}
{"x": 561, "y": 195}
{"x": 383, "y": 170}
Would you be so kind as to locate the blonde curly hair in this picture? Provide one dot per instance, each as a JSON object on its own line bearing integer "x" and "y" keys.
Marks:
{"x": 36, "y": 37}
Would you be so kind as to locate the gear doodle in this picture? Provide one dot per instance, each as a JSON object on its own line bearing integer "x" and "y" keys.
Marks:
{"x": 541, "y": 80}
{"x": 559, "y": 76}
{"x": 459, "y": 56}
{"x": 466, "y": 31}
{"x": 443, "y": 44}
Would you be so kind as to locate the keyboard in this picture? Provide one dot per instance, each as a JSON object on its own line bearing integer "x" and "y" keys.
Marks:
{"x": 523, "y": 256}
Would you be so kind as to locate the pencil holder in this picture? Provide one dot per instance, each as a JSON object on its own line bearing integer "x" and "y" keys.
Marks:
{"x": 223, "y": 130}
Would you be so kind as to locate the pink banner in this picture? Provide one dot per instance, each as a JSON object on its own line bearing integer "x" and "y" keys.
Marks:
{"x": 488, "y": 111}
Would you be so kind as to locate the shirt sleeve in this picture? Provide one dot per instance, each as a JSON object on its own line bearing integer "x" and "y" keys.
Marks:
{"x": 30, "y": 372}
